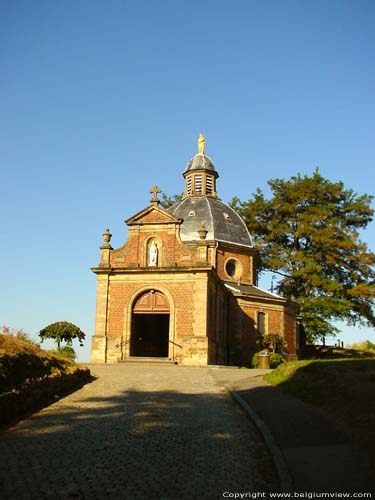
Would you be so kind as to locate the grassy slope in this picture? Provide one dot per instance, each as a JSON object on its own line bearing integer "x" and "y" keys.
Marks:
{"x": 30, "y": 376}
{"x": 343, "y": 388}
{"x": 330, "y": 352}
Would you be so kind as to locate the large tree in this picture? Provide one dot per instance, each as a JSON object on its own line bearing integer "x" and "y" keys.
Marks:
{"x": 308, "y": 233}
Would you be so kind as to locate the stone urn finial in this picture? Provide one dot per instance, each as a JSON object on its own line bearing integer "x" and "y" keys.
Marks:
{"x": 106, "y": 239}
{"x": 202, "y": 232}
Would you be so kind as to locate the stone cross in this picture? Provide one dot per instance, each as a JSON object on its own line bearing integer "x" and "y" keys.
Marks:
{"x": 155, "y": 191}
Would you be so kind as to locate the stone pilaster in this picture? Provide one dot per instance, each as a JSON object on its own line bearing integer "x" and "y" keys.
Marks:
{"x": 99, "y": 340}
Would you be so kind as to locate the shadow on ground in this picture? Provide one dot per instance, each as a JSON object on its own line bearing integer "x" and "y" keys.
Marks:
{"x": 135, "y": 445}
{"x": 321, "y": 437}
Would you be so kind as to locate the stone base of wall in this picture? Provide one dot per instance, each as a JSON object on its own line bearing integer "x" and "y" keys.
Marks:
{"x": 114, "y": 348}
{"x": 98, "y": 349}
{"x": 194, "y": 352}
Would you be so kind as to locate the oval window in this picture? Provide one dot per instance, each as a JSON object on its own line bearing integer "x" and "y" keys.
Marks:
{"x": 230, "y": 268}
{"x": 233, "y": 268}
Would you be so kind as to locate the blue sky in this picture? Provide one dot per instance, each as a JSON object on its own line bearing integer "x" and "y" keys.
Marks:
{"x": 100, "y": 100}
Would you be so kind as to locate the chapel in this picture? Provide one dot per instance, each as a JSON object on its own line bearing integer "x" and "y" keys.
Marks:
{"x": 184, "y": 286}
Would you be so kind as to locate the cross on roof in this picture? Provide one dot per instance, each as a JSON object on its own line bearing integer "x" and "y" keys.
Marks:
{"x": 155, "y": 190}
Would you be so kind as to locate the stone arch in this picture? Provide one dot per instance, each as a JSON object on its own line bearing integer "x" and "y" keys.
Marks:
{"x": 139, "y": 298}
{"x": 151, "y": 301}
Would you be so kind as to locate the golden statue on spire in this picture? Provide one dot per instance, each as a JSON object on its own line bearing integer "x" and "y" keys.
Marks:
{"x": 201, "y": 144}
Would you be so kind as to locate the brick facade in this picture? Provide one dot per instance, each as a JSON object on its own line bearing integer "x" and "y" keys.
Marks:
{"x": 210, "y": 303}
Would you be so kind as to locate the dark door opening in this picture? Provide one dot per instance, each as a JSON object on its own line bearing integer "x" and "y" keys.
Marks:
{"x": 150, "y": 334}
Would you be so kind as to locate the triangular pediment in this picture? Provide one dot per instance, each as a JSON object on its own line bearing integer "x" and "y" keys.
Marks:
{"x": 153, "y": 215}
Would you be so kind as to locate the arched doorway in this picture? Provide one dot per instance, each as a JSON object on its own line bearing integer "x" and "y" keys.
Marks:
{"x": 150, "y": 326}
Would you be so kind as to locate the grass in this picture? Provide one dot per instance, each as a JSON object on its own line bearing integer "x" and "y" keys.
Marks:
{"x": 343, "y": 388}
{"x": 29, "y": 377}
{"x": 329, "y": 352}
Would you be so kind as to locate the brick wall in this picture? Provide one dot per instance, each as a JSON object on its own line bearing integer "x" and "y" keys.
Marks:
{"x": 171, "y": 249}
{"x": 121, "y": 292}
{"x": 290, "y": 332}
{"x": 247, "y": 257}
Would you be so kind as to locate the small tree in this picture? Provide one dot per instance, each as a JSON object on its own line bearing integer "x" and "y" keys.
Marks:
{"x": 62, "y": 331}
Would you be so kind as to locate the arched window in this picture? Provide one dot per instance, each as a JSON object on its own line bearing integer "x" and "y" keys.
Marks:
{"x": 261, "y": 322}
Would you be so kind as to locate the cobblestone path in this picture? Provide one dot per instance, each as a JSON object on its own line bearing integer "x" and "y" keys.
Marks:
{"x": 137, "y": 432}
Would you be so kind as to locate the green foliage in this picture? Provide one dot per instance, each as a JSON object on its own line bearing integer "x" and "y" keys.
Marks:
{"x": 62, "y": 331}
{"x": 168, "y": 201}
{"x": 332, "y": 352}
{"x": 66, "y": 351}
{"x": 308, "y": 234}
{"x": 276, "y": 359}
{"x": 365, "y": 346}
{"x": 272, "y": 341}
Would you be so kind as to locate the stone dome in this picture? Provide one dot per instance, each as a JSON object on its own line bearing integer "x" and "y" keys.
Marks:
{"x": 220, "y": 220}
{"x": 200, "y": 162}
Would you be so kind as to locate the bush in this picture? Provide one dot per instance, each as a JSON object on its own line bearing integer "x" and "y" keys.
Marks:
{"x": 273, "y": 342}
{"x": 21, "y": 335}
{"x": 66, "y": 352}
{"x": 18, "y": 334}
{"x": 275, "y": 360}
{"x": 365, "y": 346}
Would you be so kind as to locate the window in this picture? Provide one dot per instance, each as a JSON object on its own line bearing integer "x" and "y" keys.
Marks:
{"x": 188, "y": 185}
{"x": 261, "y": 323}
{"x": 233, "y": 269}
{"x": 209, "y": 185}
{"x": 198, "y": 184}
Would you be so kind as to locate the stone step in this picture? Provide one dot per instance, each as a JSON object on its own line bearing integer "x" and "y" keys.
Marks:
{"x": 144, "y": 359}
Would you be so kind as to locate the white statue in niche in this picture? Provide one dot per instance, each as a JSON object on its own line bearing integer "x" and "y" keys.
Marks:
{"x": 153, "y": 254}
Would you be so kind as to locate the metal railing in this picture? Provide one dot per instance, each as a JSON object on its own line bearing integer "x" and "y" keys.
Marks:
{"x": 174, "y": 343}
{"x": 124, "y": 342}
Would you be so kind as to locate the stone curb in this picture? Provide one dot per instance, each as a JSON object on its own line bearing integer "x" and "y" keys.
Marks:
{"x": 286, "y": 482}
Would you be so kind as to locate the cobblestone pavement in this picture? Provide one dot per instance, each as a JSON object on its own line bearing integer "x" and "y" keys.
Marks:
{"x": 137, "y": 432}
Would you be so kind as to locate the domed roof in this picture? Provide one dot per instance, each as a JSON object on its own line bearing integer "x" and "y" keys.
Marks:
{"x": 200, "y": 162}
{"x": 220, "y": 220}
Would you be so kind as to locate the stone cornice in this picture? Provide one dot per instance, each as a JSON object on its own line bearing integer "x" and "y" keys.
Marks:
{"x": 288, "y": 304}
{"x": 150, "y": 270}
{"x": 166, "y": 217}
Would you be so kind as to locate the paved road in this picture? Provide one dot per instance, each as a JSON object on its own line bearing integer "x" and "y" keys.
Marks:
{"x": 137, "y": 432}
